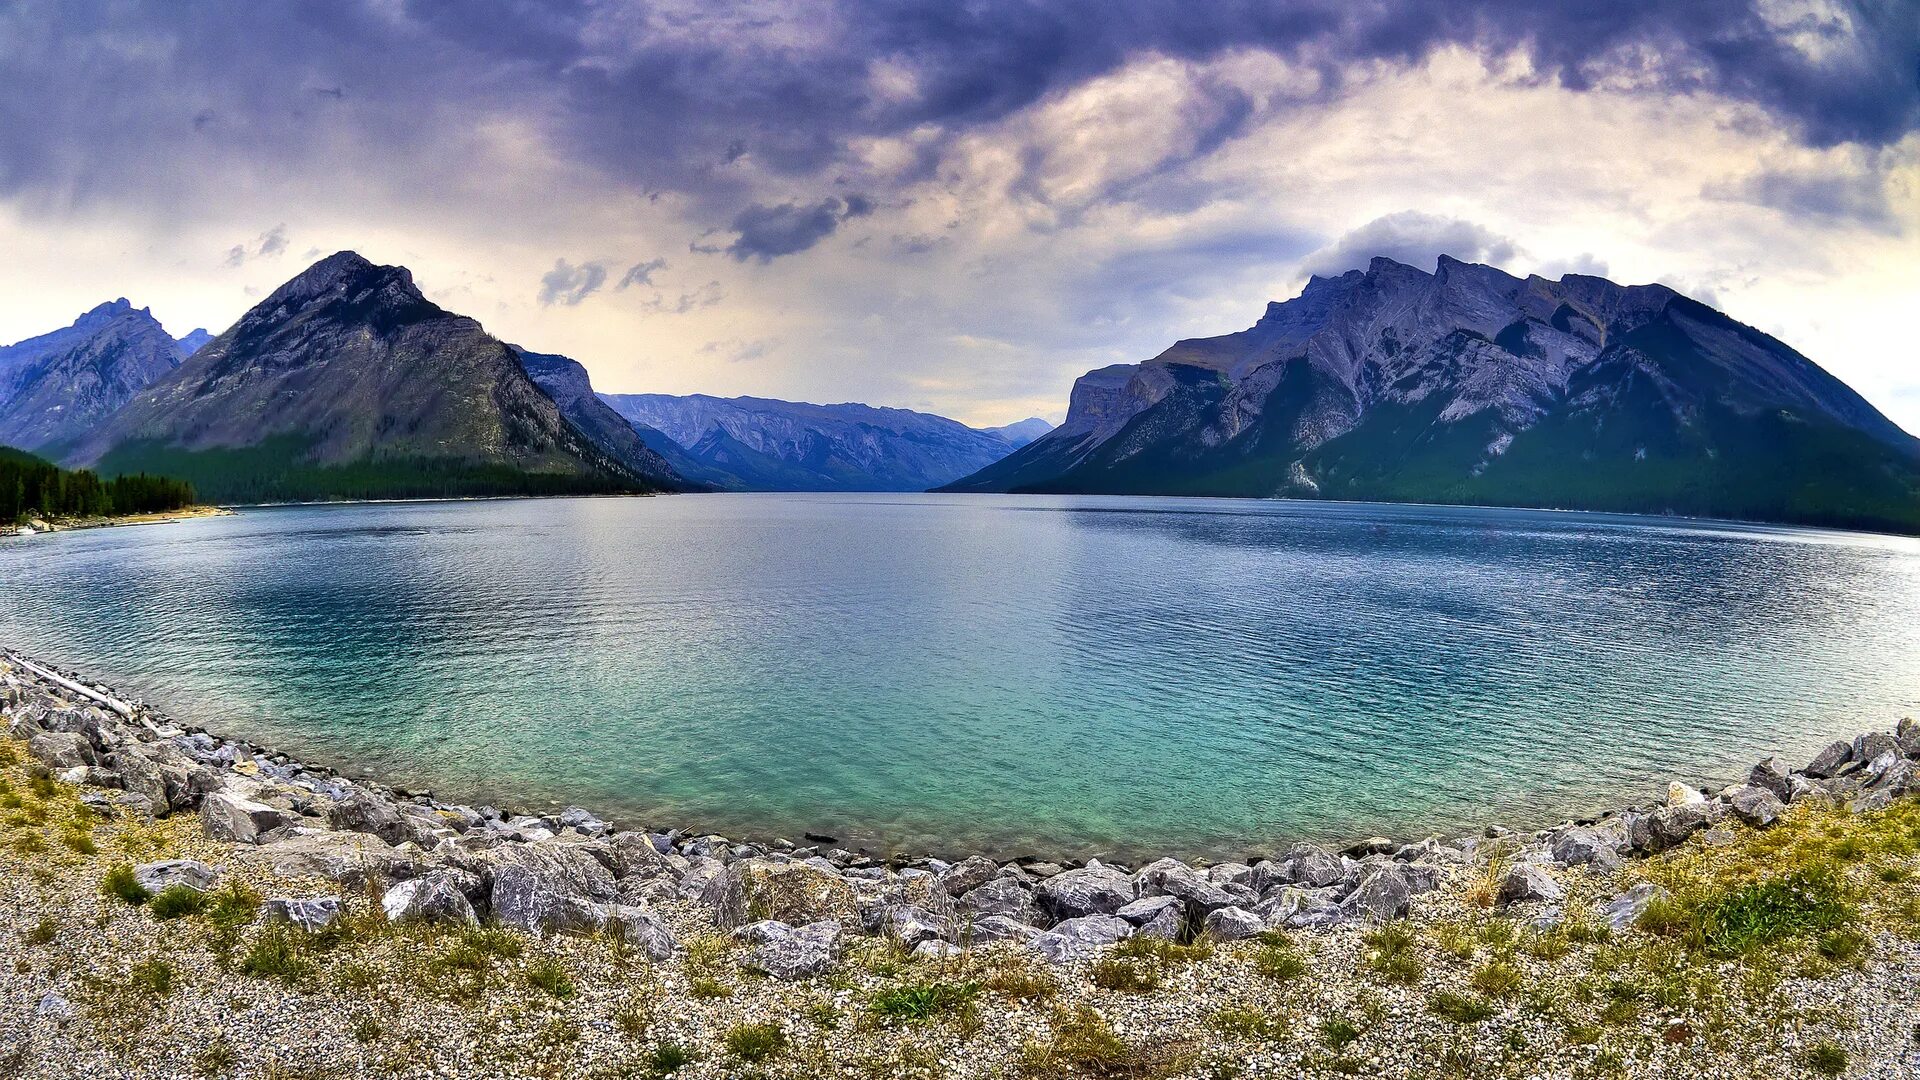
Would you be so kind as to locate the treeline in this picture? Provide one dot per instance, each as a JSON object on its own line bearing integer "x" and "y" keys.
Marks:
{"x": 33, "y": 487}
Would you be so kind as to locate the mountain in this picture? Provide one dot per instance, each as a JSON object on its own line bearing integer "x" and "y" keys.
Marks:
{"x": 348, "y": 383}
{"x": 1469, "y": 385}
{"x": 56, "y": 387}
{"x": 565, "y": 380}
{"x": 760, "y": 444}
{"x": 195, "y": 340}
{"x": 1023, "y": 432}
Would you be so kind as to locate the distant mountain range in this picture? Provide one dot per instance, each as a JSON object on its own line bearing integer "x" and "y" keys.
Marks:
{"x": 1469, "y": 385}
{"x": 761, "y": 444}
{"x": 348, "y": 382}
{"x": 56, "y": 387}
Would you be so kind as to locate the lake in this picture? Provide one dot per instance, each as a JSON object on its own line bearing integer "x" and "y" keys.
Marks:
{"x": 1056, "y": 675}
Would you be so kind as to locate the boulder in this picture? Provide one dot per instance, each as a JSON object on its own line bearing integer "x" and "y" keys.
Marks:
{"x": 1091, "y": 890}
{"x": 1772, "y": 775}
{"x": 1232, "y": 924}
{"x": 1527, "y": 882}
{"x": 1830, "y": 761}
{"x": 789, "y": 952}
{"x": 226, "y": 816}
{"x": 935, "y": 949}
{"x": 155, "y": 876}
{"x": 1755, "y": 805}
{"x": 912, "y": 925}
{"x": 1292, "y": 905}
{"x": 61, "y": 750}
{"x": 635, "y": 855}
{"x": 363, "y": 812}
{"x": 1585, "y": 847}
{"x": 1309, "y": 865}
{"x": 639, "y": 927}
{"x": 543, "y": 887}
{"x": 1081, "y": 938}
{"x": 1624, "y": 910}
{"x": 350, "y": 859}
{"x": 312, "y": 915}
{"x": 1679, "y": 794}
{"x": 792, "y": 893}
{"x": 1148, "y": 908}
{"x": 1870, "y": 801}
{"x": 1231, "y": 874}
{"x": 1873, "y": 744}
{"x": 992, "y": 928}
{"x": 433, "y": 898}
{"x": 1907, "y": 734}
{"x": 1003, "y": 896}
{"x": 1170, "y": 877}
{"x": 1382, "y": 894}
{"x": 700, "y": 874}
{"x": 968, "y": 874}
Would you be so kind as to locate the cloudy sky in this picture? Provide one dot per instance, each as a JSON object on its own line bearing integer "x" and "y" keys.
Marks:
{"x": 957, "y": 205}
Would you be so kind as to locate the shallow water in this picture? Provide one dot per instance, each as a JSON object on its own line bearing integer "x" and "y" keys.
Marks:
{"x": 1020, "y": 674}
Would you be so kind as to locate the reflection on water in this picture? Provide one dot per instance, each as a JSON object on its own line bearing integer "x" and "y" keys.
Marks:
{"x": 1022, "y": 673}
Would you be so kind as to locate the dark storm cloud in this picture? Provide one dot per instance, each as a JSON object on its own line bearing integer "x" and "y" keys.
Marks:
{"x": 120, "y": 100}
{"x": 768, "y": 232}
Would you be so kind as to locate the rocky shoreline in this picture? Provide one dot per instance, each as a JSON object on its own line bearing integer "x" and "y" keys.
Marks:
{"x": 804, "y": 914}
{"x": 36, "y": 526}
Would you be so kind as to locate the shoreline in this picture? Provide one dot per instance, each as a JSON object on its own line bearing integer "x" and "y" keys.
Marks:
{"x": 41, "y": 526}
{"x": 396, "y": 935}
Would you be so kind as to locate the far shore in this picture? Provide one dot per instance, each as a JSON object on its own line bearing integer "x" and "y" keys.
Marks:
{"x": 46, "y": 525}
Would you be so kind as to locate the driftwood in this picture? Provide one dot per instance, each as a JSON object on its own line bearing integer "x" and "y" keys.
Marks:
{"x": 113, "y": 703}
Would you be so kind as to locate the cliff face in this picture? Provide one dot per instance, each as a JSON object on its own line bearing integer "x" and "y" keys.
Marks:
{"x": 1471, "y": 385}
{"x": 762, "y": 444}
{"x": 566, "y": 381}
{"x": 56, "y": 387}
{"x": 348, "y": 382}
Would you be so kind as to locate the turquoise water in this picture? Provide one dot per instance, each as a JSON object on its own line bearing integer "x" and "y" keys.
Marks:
{"x": 1020, "y": 674}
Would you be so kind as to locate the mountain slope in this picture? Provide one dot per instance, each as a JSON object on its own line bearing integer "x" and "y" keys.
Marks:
{"x": 762, "y": 444}
{"x": 348, "y": 383}
{"x": 54, "y": 388}
{"x": 566, "y": 381}
{"x": 1022, "y": 432}
{"x": 1469, "y": 385}
{"x": 195, "y": 340}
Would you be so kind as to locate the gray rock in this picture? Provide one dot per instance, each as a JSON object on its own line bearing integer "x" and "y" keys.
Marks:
{"x": 1907, "y": 734}
{"x": 935, "y": 949}
{"x": 1230, "y": 874}
{"x": 1081, "y": 938}
{"x": 61, "y": 750}
{"x": 1670, "y": 826}
{"x": 1625, "y": 909}
{"x": 1830, "y": 761}
{"x": 229, "y": 817}
{"x": 1232, "y": 924}
{"x": 992, "y": 928}
{"x": 639, "y": 927}
{"x": 155, "y": 876}
{"x": 1091, "y": 890}
{"x": 351, "y": 859}
{"x": 912, "y": 925}
{"x": 636, "y": 855}
{"x": 55, "y": 1007}
{"x": 1147, "y": 908}
{"x": 1003, "y": 896}
{"x": 543, "y": 887}
{"x": 1309, "y": 865}
{"x": 1755, "y": 805}
{"x": 1772, "y": 775}
{"x": 968, "y": 874}
{"x": 788, "y": 952}
{"x": 1870, "y": 801}
{"x": 1382, "y": 894}
{"x": 1585, "y": 847}
{"x": 434, "y": 898}
{"x": 791, "y": 893}
{"x": 1873, "y": 744}
{"x": 1525, "y": 881}
{"x": 1171, "y": 877}
{"x": 366, "y": 813}
{"x": 312, "y": 915}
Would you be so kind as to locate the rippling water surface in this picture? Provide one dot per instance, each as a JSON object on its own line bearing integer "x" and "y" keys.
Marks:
{"x": 1020, "y": 673}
